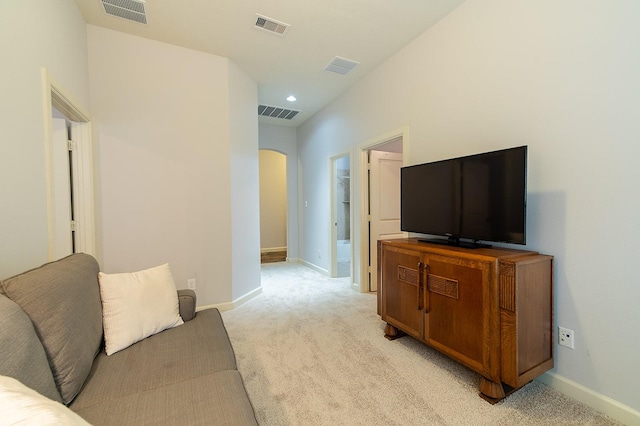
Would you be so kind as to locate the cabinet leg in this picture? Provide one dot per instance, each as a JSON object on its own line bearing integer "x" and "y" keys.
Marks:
{"x": 491, "y": 391}
{"x": 391, "y": 332}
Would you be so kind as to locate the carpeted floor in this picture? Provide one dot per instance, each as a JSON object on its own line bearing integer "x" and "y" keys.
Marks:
{"x": 311, "y": 352}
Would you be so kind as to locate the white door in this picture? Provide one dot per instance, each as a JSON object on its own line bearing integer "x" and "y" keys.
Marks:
{"x": 384, "y": 203}
{"x": 63, "y": 242}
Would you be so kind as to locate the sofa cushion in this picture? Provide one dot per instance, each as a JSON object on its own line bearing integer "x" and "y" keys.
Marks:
{"x": 213, "y": 399}
{"x": 62, "y": 299}
{"x": 22, "y": 405}
{"x": 137, "y": 305}
{"x": 199, "y": 347}
{"x": 26, "y": 360}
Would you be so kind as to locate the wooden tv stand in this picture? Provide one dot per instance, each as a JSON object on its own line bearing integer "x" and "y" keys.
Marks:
{"x": 489, "y": 308}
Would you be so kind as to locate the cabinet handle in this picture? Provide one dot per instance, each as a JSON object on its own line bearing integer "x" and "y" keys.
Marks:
{"x": 425, "y": 291}
{"x": 419, "y": 288}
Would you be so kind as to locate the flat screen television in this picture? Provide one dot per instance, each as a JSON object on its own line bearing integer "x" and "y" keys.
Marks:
{"x": 469, "y": 200}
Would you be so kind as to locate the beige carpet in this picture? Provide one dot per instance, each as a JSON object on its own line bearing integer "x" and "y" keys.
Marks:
{"x": 312, "y": 352}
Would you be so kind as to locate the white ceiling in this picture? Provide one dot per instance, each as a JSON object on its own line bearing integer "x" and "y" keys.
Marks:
{"x": 366, "y": 31}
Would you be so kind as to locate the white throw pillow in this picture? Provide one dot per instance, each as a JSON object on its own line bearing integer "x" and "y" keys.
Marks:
{"x": 137, "y": 305}
{"x": 22, "y": 405}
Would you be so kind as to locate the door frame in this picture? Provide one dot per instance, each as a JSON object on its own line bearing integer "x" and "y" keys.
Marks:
{"x": 363, "y": 193}
{"x": 55, "y": 95}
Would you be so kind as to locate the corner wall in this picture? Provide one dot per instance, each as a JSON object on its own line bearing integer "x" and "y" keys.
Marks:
{"x": 562, "y": 78}
{"x": 168, "y": 144}
{"x": 245, "y": 184}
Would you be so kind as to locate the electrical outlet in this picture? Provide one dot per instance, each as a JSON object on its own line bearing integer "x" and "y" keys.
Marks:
{"x": 565, "y": 337}
{"x": 319, "y": 254}
{"x": 191, "y": 283}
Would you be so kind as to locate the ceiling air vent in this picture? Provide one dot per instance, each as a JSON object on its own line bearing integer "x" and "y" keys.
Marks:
{"x": 132, "y": 10}
{"x": 341, "y": 65}
{"x": 276, "y": 112}
{"x": 272, "y": 25}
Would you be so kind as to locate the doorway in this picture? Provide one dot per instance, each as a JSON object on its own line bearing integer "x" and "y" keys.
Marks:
{"x": 379, "y": 192}
{"x": 69, "y": 164}
{"x": 384, "y": 203}
{"x": 341, "y": 252}
{"x": 63, "y": 183}
{"x": 273, "y": 206}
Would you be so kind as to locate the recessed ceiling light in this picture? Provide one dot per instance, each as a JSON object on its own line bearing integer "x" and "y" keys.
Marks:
{"x": 291, "y": 98}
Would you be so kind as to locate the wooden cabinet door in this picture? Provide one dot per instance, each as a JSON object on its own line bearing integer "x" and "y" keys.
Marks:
{"x": 400, "y": 289}
{"x": 459, "y": 317}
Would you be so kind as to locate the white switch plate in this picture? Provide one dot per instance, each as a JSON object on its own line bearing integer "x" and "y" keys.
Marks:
{"x": 191, "y": 283}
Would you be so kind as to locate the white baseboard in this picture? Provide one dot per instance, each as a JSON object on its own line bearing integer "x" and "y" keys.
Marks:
{"x": 314, "y": 267}
{"x": 355, "y": 286}
{"x": 593, "y": 399}
{"x": 227, "y": 306}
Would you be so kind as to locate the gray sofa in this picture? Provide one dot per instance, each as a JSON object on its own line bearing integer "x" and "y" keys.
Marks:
{"x": 51, "y": 340}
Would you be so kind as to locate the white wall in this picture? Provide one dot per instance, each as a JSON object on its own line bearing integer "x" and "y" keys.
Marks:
{"x": 164, "y": 127}
{"x": 33, "y": 34}
{"x": 284, "y": 140}
{"x": 273, "y": 199}
{"x": 245, "y": 185}
{"x": 561, "y": 77}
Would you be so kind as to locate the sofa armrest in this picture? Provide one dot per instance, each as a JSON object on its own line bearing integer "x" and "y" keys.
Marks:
{"x": 187, "y": 304}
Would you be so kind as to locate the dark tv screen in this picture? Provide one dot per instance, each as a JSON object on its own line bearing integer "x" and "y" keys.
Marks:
{"x": 479, "y": 197}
